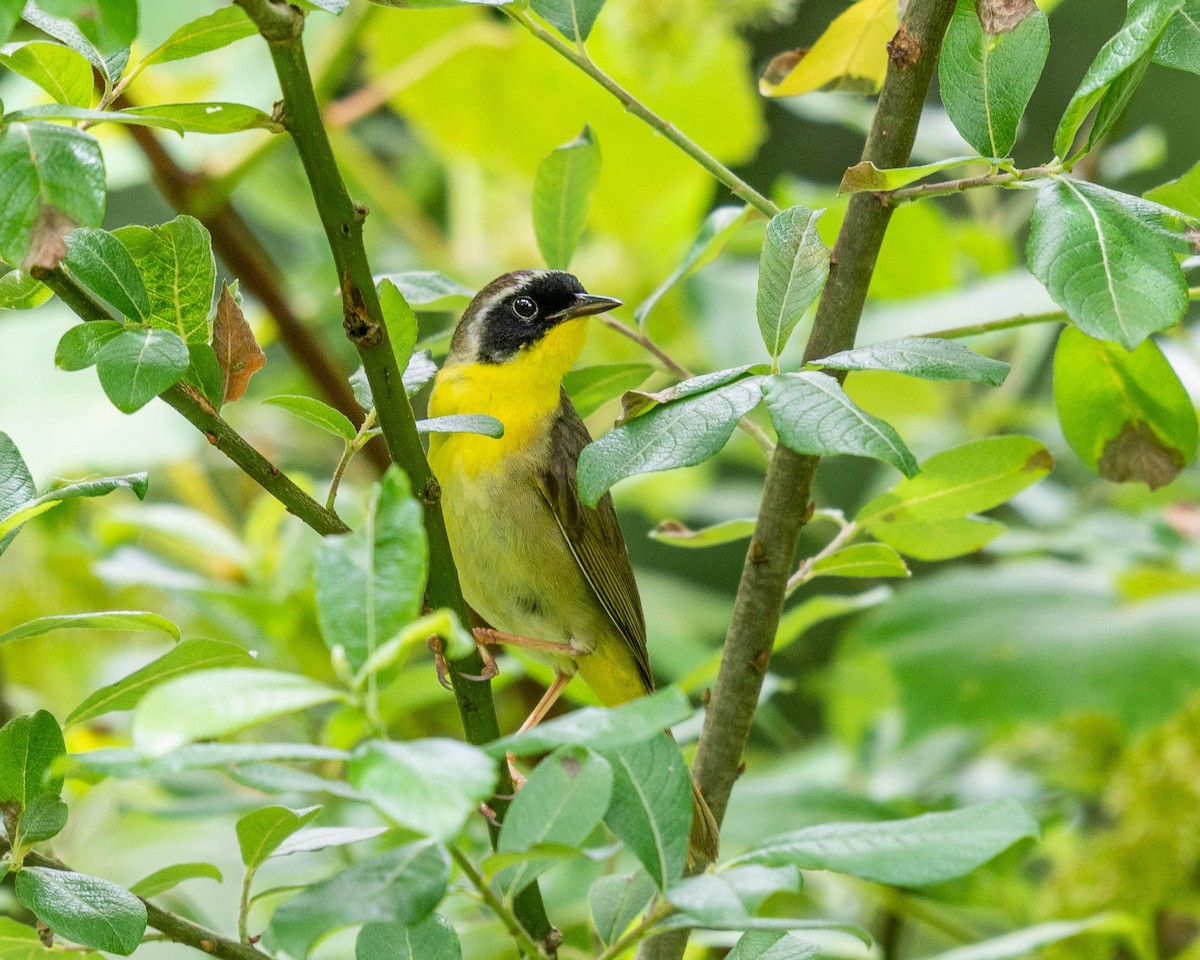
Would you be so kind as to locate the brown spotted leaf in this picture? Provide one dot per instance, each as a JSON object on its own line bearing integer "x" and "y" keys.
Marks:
{"x": 238, "y": 352}
{"x": 48, "y": 240}
{"x": 1136, "y": 453}
{"x": 1002, "y": 16}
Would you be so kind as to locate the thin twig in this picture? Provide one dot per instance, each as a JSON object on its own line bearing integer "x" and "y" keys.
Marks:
{"x": 352, "y": 447}
{"x": 578, "y": 56}
{"x": 524, "y": 942}
{"x": 944, "y": 188}
{"x": 648, "y": 922}
{"x": 804, "y": 572}
{"x": 745, "y": 424}
{"x": 174, "y": 927}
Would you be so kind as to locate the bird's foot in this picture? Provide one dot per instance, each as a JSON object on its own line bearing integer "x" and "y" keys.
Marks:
{"x": 490, "y": 669}
{"x": 439, "y": 659}
{"x": 518, "y": 778}
{"x": 488, "y": 635}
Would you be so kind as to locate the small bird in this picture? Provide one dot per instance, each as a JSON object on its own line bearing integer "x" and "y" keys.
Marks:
{"x": 548, "y": 572}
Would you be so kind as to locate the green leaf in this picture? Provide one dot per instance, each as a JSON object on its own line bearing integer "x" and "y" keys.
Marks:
{"x": 862, "y": 560}
{"x": 19, "y": 291}
{"x": 812, "y": 414}
{"x": 318, "y": 413}
{"x": 210, "y": 32}
{"x": 16, "y": 483}
{"x": 260, "y": 832}
{"x": 589, "y": 388}
{"x": 773, "y": 945}
{"x": 678, "y": 434}
{"x": 136, "y": 366}
{"x": 1144, "y": 25}
{"x": 400, "y": 320}
{"x": 102, "y": 620}
{"x": 10, "y": 13}
{"x": 431, "y": 939}
{"x": 479, "y": 423}
{"x": 990, "y": 64}
{"x": 79, "y": 347}
{"x": 1026, "y": 942}
{"x": 87, "y": 910}
{"x": 728, "y": 900}
{"x": 43, "y": 818}
{"x": 865, "y": 177}
{"x": 160, "y": 881}
{"x": 967, "y": 479}
{"x": 402, "y": 885}
{"x": 937, "y": 539}
{"x": 1113, "y": 275}
{"x": 424, "y": 4}
{"x": 615, "y": 900}
{"x": 917, "y": 852}
{"x": 792, "y": 270}
{"x": 562, "y": 190}
{"x": 52, "y": 179}
{"x": 63, "y": 111}
{"x": 51, "y": 498}
{"x": 176, "y": 263}
{"x": 30, "y": 748}
{"x": 602, "y": 728}
{"x": 59, "y": 70}
{"x": 371, "y": 583}
{"x": 189, "y": 657}
{"x": 926, "y": 357}
{"x": 677, "y": 535}
{"x": 561, "y": 803}
{"x": 718, "y": 229}
{"x": 275, "y": 778}
{"x": 1125, "y": 414}
{"x": 19, "y": 941}
{"x": 129, "y": 764}
{"x": 430, "y": 786}
{"x": 636, "y": 402}
{"x": 574, "y": 19}
{"x": 1182, "y": 193}
{"x": 651, "y": 805}
{"x": 321, "y": 838}
{"x": 101, "y": 263}
{"x": 205, "y": 373}
{"x": 420, "y": 370}
{"x": 1180, "y": 44}
{"x": 67, "y": 33}
{"x": 212, "y": 703}
{"x": 429, "y": 290}
{"x": 110, "y": 24}
{"x": 206, "y": 117}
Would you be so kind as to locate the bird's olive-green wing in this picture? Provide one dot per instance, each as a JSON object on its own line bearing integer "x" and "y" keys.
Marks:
{"x": 594, "y": 535}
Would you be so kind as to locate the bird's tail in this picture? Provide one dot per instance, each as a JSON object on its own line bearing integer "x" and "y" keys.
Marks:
{"x": 705, "y": 837}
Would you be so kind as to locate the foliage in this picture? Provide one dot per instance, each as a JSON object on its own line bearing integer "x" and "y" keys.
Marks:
{"x": 994, "y": 759}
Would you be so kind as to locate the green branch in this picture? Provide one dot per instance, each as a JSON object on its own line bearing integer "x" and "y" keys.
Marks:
{"x": 282, "y": 26}
{"x": 219, "y": 433}
{"x": 945, "y": 188}
{"x": 736, "y": 185}
{"x": 172, "y": 927}
{"x": 527, "y": 947}
{"x": 788, "y": 485}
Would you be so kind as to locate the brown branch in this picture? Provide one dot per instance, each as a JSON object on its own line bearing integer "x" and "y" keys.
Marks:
{"x": 257, "y": 270}
{"x": 785, "y": 503}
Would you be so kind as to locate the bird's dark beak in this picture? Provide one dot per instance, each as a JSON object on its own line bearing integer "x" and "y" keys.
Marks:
{"x": 585, "y": 305}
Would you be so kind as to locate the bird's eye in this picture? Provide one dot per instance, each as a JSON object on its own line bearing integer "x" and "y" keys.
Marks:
{"x": 525, "y": 308}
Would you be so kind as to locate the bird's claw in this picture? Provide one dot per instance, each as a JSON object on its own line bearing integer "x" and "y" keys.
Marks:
{"x": 518, "y": 778}
{"x": 439, "y": 658}
{"x": 490, "y": 669}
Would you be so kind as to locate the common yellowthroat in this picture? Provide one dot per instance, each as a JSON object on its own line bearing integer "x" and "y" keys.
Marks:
{"x": 549, "y": 572}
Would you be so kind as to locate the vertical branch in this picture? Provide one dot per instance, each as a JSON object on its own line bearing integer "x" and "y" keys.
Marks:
{"x": 785, "y": 502}
{"x": 282, "y": 26}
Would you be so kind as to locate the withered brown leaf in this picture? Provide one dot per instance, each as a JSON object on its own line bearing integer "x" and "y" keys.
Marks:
{"x": 237, "y": 351}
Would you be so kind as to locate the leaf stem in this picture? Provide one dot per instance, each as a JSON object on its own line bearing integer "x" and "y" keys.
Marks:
{"x": 578, "y": 56}
{"x": 282, "y": 27}
{"x": 804, "y": 572}
{"x": 352, "y": 447}
{"x": 648, "y": 922}
{"x": 218, "y": 432}
{"x": 524, "y": 942}
{"x": 788, "y": 485}
{"x": 747, "y": 426}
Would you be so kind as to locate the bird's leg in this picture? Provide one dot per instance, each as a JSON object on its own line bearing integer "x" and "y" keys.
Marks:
{"x": 439, "y": 658}
{"x": 488, "y": 635}
{"x": 549, "y": 698}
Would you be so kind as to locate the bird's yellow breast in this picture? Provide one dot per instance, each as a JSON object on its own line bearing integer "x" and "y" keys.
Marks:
{"x": 521, "y": 393}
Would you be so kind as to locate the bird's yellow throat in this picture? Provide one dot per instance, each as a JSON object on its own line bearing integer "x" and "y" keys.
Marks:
{"x": 521, "y": 393}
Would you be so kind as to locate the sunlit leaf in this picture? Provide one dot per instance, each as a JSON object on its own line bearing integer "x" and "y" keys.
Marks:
{"x": 562, "y": 190}
{"x": 160, "y": 881}
{"x": 59, "y": 70}
{"x": 792, "y": 270}
{"x": 209, "y": 32}
{"x": 316, "y": 412}
{"x": 87, "y": 910}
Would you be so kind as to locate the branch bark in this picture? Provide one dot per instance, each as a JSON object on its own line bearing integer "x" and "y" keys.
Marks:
{"x": 282, "y": 26}
{"x": 174, "y": 927}
{"x": 788, "y": 486}
{"x": 218, "y": 432}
